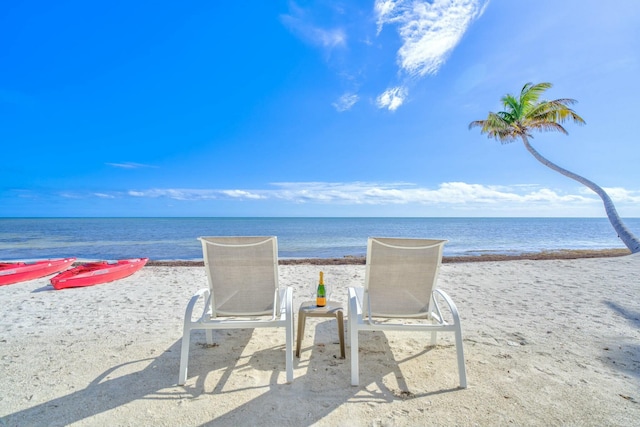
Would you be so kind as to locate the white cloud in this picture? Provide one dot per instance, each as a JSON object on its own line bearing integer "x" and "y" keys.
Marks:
{"x": 68, "y": 195}
{"x": 176, "y": 194}
{"x": 327, "y": 38}
{"x": 392, "y": 98}
{"x": 448, "y": 198}
{"x": 242, "y": 194}
{"x": 384, "y": 10}
{"x": 429, "y": 29}
{"x": 195, "y": 194}
{"x": 129, "y": 165}
{"x": 104, "y": 196}
{"x": 345, "y": 102}
{"x": 452, "y": 193}
{"x": 621, "y": 194}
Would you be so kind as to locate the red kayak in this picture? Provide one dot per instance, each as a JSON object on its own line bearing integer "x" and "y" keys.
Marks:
{"x": 94, "y": 273}
{"x": 14, "y": 272}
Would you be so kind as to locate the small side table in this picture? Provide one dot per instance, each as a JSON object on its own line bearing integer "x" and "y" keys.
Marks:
{"x": 310, "y": 309}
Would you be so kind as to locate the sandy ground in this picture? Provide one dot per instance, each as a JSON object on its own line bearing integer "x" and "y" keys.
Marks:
{"x": 552, "y": 342}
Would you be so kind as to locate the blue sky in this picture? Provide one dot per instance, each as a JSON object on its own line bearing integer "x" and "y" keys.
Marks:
{"x": 311, "y": 108}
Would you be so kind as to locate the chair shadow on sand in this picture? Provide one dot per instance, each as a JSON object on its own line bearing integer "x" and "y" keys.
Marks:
{"x": 325, "y": 381}
{"x": 105, "y": 392}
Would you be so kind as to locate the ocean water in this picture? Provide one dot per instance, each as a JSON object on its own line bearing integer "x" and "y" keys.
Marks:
{"x": 176, "y": 238}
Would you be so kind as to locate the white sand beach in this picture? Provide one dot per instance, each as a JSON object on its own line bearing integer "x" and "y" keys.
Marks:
{"x": 553, "y": 342}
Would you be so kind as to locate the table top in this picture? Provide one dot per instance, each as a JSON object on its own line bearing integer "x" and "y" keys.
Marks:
{"x": 311, "y": 307}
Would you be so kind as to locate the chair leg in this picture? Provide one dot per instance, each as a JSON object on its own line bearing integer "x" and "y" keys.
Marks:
{"x": 353, "y": 338}
{"x": 289, "y": 350}
{"x": 184, "y": 355}
{"x": 301, "y": 324}
{"x": 460, "y": 351}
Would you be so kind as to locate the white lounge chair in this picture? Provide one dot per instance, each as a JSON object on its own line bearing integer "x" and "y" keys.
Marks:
{"x": 243, "y": 293}
{"x": 399, "y": 288}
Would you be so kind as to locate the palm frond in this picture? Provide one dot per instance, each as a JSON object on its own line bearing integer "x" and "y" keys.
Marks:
{"x": 531, "y": 93}
{"x": 476, "y": 124}
{"x": 547, "y": 126}
{"x": 526, "y": 113}
{"x": 566, "y": 101}
{"x": 564, "y": 113}
{"x": 511, "y": 105}
{"x": 507, "y": 116}
{"x": 556, "y": 112}
{"x": 497, "y": 126}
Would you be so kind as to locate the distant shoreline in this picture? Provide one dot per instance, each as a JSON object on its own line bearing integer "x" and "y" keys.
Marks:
{"x": 352, "y": 260}
{"x": 338, "y": 239}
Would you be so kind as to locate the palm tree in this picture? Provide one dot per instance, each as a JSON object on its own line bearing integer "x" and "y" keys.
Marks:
{"x": 525, "y": 114}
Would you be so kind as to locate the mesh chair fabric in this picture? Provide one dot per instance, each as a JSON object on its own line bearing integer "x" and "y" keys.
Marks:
{"x": 401, "y": 274}
{"x": 243, "y": 275}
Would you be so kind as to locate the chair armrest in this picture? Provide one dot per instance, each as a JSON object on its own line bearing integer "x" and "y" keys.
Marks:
{"x": 450, "y": 303}
{"x": 202, "y": 293}
{"x": 355, "y": 301}
{"x": 285, "y": 296}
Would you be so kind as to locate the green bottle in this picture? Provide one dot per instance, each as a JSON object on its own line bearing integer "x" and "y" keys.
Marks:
{"x": 321, "y": 299}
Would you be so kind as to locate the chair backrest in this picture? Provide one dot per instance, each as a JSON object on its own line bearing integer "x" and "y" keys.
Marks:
{"x": 400, "y": 276}
{"x": 242, "y": 274}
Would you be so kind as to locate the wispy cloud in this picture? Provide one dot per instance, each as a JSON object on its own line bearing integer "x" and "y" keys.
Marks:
{"x": 358, "y": 193}
{"x": 129, "y": 165}
{"x": 299, "y": 22}
{"x": 403, "y": 193}
{"x": 324, "y": 25}
{"x": 346, "y": 101}
{"x": 242, "y": 194}
{"x": 448, "y": 198}
{"x": 392, "y": 98}
{"x": 196, "y": 194}
{"x": 620, "y": 194}
{"x": 71, "y": 195}
{"x": 429, "y": 31}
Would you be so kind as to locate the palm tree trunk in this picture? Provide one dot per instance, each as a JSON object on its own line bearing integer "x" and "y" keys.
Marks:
{"x": 627, "y": 237}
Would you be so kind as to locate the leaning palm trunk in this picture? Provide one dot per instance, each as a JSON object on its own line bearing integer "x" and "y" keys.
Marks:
{"x": 627, "y": 237}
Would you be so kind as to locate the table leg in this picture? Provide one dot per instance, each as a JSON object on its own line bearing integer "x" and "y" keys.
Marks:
{"x": 301, "y": 321}
{"x": 340, "y": 318}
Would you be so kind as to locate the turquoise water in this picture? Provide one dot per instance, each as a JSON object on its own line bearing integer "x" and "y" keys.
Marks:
{"x": 176, "y": 238}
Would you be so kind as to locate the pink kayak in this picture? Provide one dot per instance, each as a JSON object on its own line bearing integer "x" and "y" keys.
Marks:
{"x": 94, "y": 273}
{"x": 14, "y": 272}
